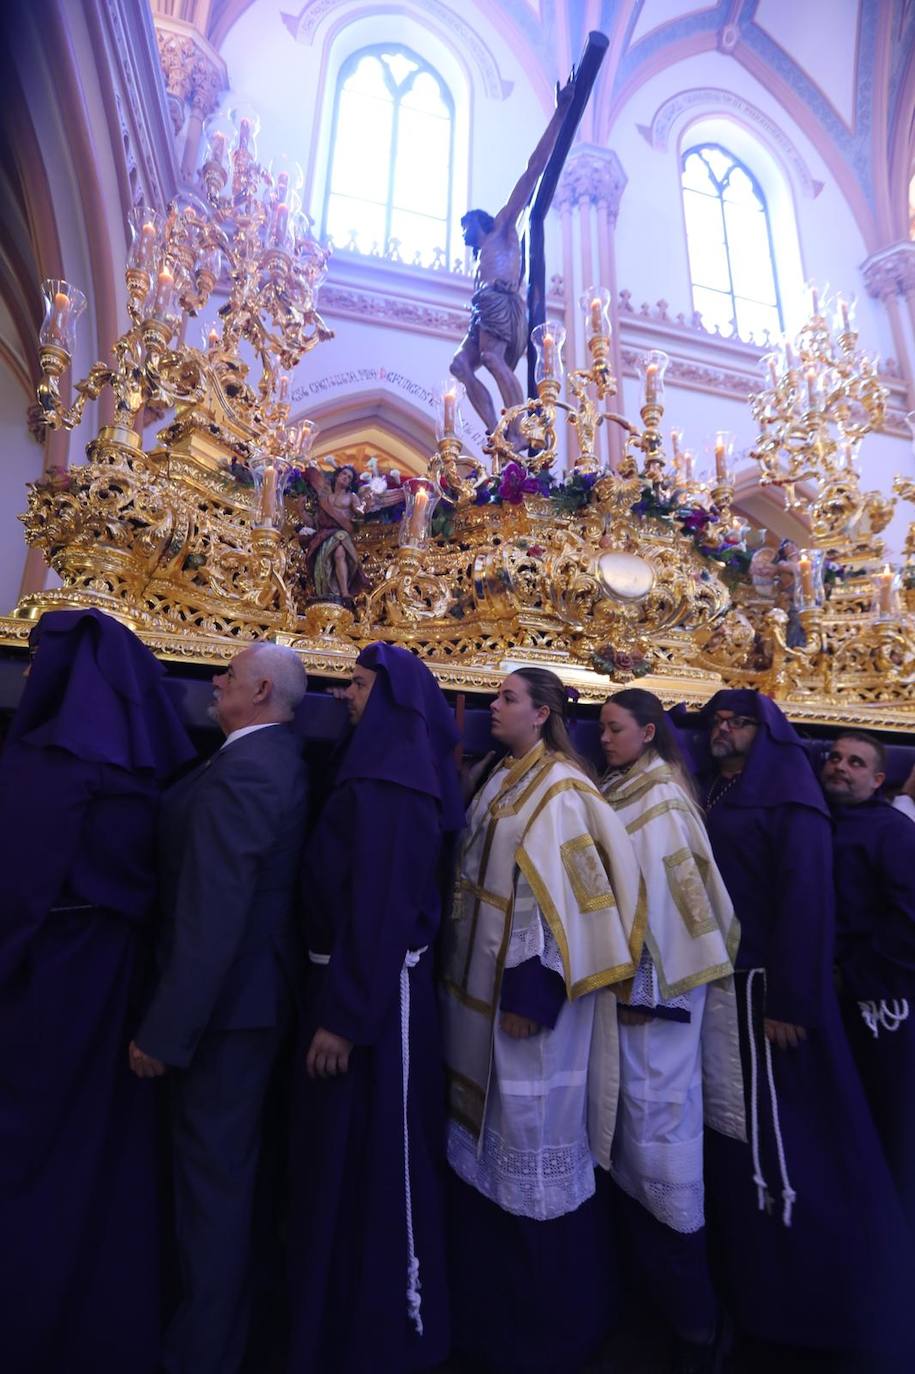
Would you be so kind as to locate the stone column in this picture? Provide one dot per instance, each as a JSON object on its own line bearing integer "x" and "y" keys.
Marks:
{"x": 588, "y": 198}
{"x": 889, "y": 276}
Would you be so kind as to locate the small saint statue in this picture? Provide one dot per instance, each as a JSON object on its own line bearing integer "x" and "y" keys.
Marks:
{"x": 330, "y": 553}
{"x": 497, "y": 336}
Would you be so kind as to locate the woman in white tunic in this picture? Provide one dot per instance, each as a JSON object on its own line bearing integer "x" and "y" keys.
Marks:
{"x": 546, "y": 920}
{"x": 679, "y": 1023}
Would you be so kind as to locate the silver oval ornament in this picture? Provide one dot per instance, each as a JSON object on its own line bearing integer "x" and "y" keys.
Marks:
{"x": 625, "y": 576}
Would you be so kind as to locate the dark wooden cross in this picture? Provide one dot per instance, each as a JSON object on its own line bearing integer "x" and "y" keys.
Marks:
{"x": 585, "y": 76}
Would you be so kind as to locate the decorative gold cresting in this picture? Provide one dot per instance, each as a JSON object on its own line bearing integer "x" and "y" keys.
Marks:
{"x": 645, "y": 570}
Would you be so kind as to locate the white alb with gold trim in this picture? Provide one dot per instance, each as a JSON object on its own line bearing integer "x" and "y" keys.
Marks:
{"x": 540, "y": 831}
{"x": 676, "y": 1077}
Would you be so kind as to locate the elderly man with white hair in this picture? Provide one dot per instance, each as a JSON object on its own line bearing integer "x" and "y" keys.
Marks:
{"x": 230, "y": 840}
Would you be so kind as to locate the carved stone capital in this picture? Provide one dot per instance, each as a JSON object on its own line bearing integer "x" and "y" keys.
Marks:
{"x": 592, "y": 176}
{"x": 177, "y": 54}
{"x": 206, "y": 88}
{"x": 194, "y": 74}
{"x": 891, "y": 272}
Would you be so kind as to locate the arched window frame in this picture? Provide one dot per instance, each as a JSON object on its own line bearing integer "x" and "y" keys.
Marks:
{"x": 347, "y": 67}
{"x": 697, "y": 146}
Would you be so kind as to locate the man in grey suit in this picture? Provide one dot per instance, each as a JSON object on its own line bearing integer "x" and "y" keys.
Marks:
{"x": 230, "y": 839}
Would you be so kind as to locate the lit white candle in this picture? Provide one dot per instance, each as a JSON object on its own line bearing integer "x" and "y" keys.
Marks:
{"x": 164, "y": 284}
{"x": 280, "y": 223}
{"x": 450, "y": 401}
{"x": 61, "y": 307}
{"x": 805, "y": 568}
{"x": 549, "y": 356}
{"x": 418, "y": 520}
{"x": 721, "y": 461}
{"x": 886, "y": 590}
{"x": 651, "y": 384}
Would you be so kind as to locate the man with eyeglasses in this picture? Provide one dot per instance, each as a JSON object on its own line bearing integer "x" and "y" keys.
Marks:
{"x": 875, "y": 951}
{"x": 804, "y": 1216}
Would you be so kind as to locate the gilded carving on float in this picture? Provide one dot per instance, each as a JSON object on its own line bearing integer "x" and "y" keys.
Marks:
{"x": 211, "y": 535}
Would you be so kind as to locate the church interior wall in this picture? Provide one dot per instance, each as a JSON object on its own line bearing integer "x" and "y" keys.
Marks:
{"x": 397, "y": 326}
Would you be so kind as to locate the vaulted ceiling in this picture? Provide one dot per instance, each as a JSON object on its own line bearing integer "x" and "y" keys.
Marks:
{"x": 847, "y": 66}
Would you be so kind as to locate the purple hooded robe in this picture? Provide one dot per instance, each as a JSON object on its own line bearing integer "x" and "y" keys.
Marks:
{"x": 94, "y": 735}
{"x": 811, "y": 1243}
{"x": 373, "y": 883}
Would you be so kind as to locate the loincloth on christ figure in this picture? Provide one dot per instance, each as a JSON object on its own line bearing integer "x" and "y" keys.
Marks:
{"x": 497, "y": 308}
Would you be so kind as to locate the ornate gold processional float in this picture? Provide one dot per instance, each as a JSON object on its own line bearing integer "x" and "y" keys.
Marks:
{"x": 207, "y": 539}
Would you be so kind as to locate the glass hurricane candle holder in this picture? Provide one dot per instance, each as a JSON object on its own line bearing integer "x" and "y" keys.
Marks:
{"x": 270, "y": 477}
{"x": 844, "y": 317}
{"x": 209, "y": 264}
{"x": 162, "y": 301}
{"x": 449, "y": 419}
{"x": 145, "y": 226}
{"x": 218, "y": 135}
{"x": 652, "y": 367}
{"x": 63, "y": 305}
{"x": 809, "y": 591}
{"x": 885, "y": 602}
{"x": 722, "y": 455}
{"x": 301, "y": 439}
{"x": 247, "y": 125}
{"x": 548, "y": 340}
{"x": 818, "y": 300}
{"x": 421, "y": 496}
{"x": 595, "y": 305}
{"x": 288, "y": 178}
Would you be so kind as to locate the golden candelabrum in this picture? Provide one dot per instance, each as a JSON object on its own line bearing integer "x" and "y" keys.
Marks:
{"x": 827, "y": 627}
{"x": 168, "y": 538}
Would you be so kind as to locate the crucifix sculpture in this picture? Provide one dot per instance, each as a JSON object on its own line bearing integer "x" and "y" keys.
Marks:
{"x": 500, "y": 323}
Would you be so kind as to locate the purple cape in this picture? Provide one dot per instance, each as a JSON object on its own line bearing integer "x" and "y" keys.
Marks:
{"x": 78, "y": 1198}
{"x": 372, "y": 886}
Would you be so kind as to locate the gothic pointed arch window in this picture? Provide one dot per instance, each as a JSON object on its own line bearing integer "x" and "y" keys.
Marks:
{"x": 729, "y": 237}
{"x": 392, "y": 145}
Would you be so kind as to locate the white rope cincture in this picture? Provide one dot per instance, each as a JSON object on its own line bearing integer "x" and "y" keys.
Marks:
{"x": 414, "y": 1298}
{"x": 789, "y": 1196}
{"x": 758, "y": 1178}
{"x": 888, "y": 1015}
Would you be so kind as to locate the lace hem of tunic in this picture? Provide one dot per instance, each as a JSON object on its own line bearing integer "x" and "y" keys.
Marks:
{"x": 681, "y": 1206}
{"x": 540, "y": 1184}
{"x": 645, "y": 989}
